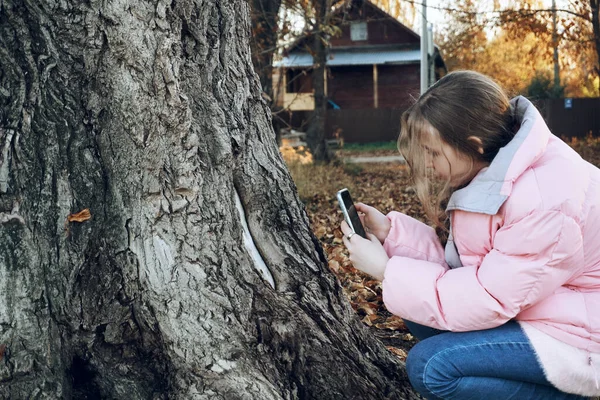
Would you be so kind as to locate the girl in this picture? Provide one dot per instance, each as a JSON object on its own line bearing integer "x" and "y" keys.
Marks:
{"x": 510, "y": 308}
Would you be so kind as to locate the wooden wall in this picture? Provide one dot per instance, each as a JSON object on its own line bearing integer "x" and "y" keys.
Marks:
{"x": 381, "y": 29}
{"x": 351, "y": 87}
{"x": 378, "y": 33}
{"x": 399, "y": 85}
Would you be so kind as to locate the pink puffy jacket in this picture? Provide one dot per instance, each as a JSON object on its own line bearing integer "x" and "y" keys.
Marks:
{"x": 524, "y": 245}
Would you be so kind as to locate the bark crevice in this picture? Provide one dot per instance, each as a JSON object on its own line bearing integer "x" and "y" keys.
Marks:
{"x": 254, "y": 253}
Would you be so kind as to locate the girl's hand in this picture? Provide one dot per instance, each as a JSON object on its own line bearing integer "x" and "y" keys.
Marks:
{"x": 367, "y": 255}
{"x": 377, "y": 223}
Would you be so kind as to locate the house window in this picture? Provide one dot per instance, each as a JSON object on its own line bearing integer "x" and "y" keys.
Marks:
{"x": 358, "y": 31}
{"x": 298, "y": 81}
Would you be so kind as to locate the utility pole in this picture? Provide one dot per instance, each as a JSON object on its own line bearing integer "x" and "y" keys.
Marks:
{"x": 430, "y": 53}
{"x": 555, "y": 44}
{"x": 424, "y": 46}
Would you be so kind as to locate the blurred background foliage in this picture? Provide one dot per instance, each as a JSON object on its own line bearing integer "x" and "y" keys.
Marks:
{"x": 513, "y": 41}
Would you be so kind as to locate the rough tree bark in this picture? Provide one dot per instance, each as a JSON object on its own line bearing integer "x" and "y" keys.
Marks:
{"x": 149, "y": 115}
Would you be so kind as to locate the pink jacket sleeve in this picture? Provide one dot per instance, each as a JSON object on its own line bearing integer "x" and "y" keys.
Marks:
{"x": 530, "y": 259}
{"x": 413, "y": 239}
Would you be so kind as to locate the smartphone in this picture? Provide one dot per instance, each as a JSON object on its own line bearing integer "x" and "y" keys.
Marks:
{"x": 350, "y": 213}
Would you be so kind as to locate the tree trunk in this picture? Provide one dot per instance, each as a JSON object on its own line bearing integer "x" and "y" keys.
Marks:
{"x": 149, "y": 115}
{"x": 595, "y": 8}
{"x": 316, "y": 135}
{"x": 264, "y": 18}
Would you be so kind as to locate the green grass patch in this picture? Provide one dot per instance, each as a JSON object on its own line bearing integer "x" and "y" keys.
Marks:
{"x": 370, "y": 147}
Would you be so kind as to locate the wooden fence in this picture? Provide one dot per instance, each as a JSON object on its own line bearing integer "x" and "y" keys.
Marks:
{"x": 364, "y": 126}
{"x": 572, "y": 117}
{"x": 581, "y": 119}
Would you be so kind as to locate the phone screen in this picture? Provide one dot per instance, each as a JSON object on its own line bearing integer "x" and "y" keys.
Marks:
{"x": 350, "y": 212}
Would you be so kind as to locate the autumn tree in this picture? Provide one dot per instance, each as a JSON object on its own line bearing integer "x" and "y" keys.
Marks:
{"x": 152, "y": 244}
{"x": 581, "y": 43}
{"x": 463, "y": 41}
{"x": 272, "y": 24}
{"x": 264, "y": 16}
{"x": 542, "y": 87}
{"x": 403, "y": 11}
{"x": 524, "y": 27}
{"x": 515, "y": 63}
{"x": 571, "y": 28}
{"x": 595, "y": 19}
{"x": 316, "y": 15}
{"x": 507, "y": 51}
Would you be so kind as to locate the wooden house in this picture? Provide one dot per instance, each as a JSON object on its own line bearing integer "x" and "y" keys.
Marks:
{"x": 373, "y": 64}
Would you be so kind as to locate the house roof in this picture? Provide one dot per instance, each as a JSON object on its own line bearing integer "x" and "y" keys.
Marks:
{"x": 298, "y": 55}
{"x": 340, "y": 11}
{"x": 352, "y": 57}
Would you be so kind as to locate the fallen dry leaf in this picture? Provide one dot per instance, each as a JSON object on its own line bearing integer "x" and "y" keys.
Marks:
{"x": 393, "y": 323}
{"x": 334, "y": 266}
{"x": 370, "y": 319}
{"x": 321, "y": 231}
{"x": 401, "y": 354}
{"x": 368, "y": 308}
{"x": 81, "y": 216}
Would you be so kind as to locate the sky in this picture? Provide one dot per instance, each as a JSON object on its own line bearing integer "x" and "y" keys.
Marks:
{"x": 434, "y": 16}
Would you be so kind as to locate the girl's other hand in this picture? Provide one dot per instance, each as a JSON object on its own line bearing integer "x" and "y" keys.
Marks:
{"x": 367, "y": 255}
{"x": 376, "y": 223}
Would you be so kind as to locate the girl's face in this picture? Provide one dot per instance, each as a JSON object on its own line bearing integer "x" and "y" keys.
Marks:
{"x": 447, "y": 162}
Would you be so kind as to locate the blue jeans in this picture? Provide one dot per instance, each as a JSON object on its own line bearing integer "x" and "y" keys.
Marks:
{"x": 493, "y": 364}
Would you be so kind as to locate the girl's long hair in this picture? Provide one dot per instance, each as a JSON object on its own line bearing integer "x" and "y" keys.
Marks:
{"x": 460, "y": 105}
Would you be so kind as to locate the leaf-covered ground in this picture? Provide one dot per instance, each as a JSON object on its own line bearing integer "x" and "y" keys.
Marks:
{"x": 386, "y": 187}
